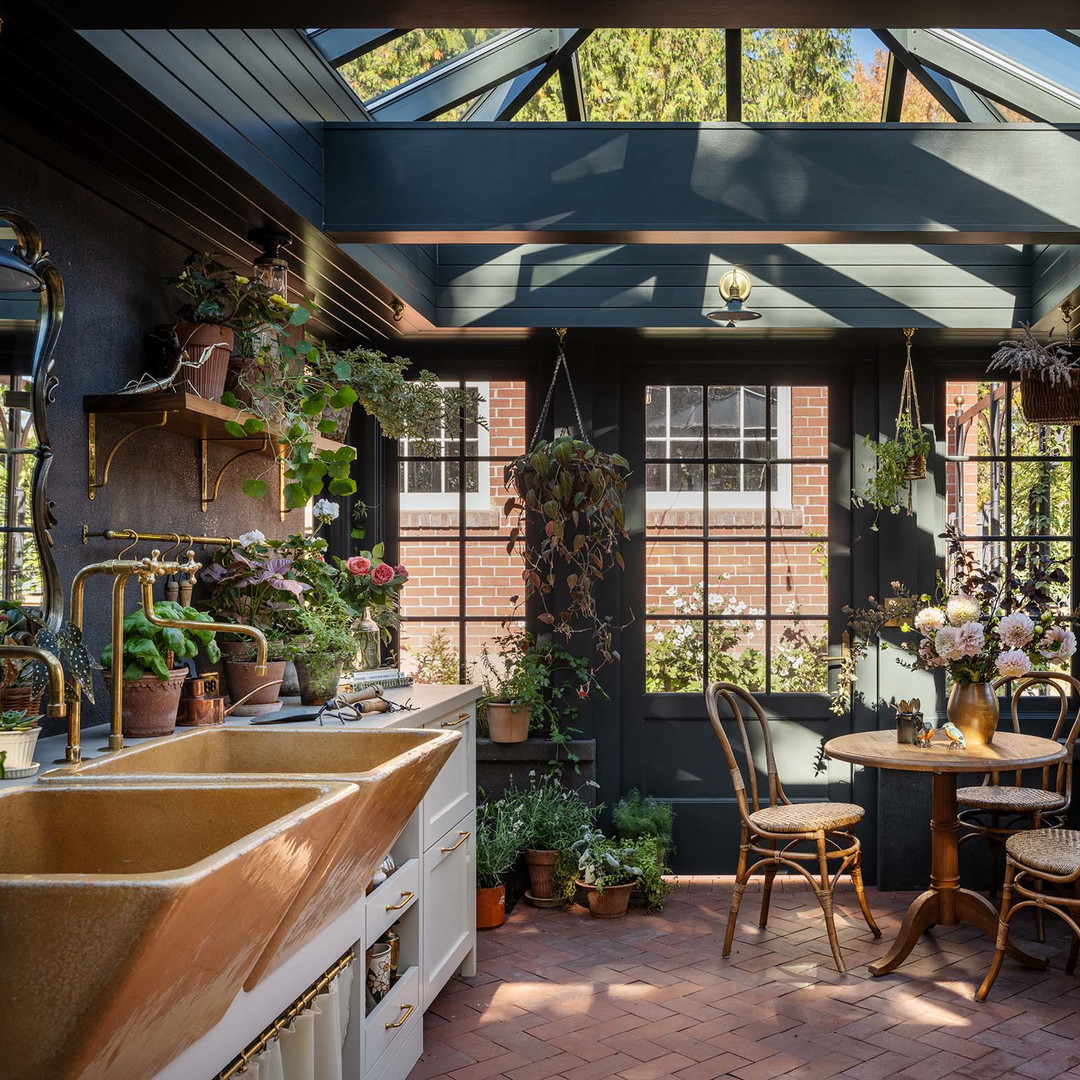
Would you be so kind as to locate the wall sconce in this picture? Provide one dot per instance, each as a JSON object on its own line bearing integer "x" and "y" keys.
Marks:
{"x": 734, "y": 290}
{"x": 271, "y": 267}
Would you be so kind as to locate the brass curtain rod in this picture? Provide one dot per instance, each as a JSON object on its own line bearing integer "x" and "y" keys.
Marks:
{"x": 138, "y": 537}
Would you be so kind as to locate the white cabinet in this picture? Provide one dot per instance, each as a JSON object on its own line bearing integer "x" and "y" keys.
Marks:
{"x": 453, "y": 793}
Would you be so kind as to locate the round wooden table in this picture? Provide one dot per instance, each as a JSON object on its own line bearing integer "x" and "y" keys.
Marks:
{"x": 945, "y": 903}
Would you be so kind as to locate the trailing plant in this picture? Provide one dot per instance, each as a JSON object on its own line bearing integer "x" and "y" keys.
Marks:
{"x": 603, "y": 862}
{"x": 150, "y": 649}
{"x": 890, "y": 479}
{"x": 573, "y": 492}
{"x": 17, "y": 720}
{"x": 1051, "y": 362}
{"x": 22, "y": 625}
{"x": 498, "y": 840}
{"x": 641, "y": 815}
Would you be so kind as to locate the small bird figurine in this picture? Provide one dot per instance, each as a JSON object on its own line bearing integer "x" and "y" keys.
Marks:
{"x": 956, "y": 737}
{"x": 924, "y": 733}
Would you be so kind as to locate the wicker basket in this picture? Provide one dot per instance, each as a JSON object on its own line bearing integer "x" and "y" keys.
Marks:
{"x": 20, "y": 697}
{"x": 1046, "y": 404}
{"x": 915, "y": 469}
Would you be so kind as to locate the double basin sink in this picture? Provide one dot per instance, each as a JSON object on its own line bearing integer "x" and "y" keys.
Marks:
{"x": 141, "y": 892}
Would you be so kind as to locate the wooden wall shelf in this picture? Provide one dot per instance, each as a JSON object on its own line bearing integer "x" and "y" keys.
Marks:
{"x": 185, "y": 414}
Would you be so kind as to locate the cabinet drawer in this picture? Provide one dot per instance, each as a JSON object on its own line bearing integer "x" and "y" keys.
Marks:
{"x": 393, "y": 1019}
{"x": 453, "y": 792}
{"x": 391, "y": 899}
{"x": 448, "y": 905}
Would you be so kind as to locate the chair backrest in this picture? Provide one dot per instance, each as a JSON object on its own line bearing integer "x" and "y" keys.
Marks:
{"x": 1053, "y": 777}
{"x": 725, "y": 700}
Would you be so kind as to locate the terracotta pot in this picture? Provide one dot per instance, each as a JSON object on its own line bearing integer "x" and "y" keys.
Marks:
{"x": 508, "y": 723}
{"x": 541, "y": 875}
{"x": 207, "y": 381}
{"x": 20, "y": 697}
{"x": 257, "y": 693}
{"x": 150, "y": 704}
{"x": 318, "y": 682}
{"x": 609, "y": 904}
{"x": 18, "y": 747}
{"x": 973, "y": 708}
{"x": 490, "y": 907}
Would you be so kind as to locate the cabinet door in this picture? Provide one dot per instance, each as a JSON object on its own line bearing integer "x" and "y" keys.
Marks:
{"x": 448, "y": 900}
{"x": 452, "y": 794}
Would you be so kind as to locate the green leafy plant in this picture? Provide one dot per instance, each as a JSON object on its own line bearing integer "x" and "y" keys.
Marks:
{"x": 637, "y": 815}
{"x": 328, "y": 639}
{"x": 603, "y": 862}
{"x": 553, "y": 816}
{"x": 892, "y": 472}
{"x": 498, "y": 840}
{"x": 573, "y": 492}
{"x": 17, "y": 720}
{"x": 149, "y": 649}
{"x": 22, "y": 625}
{"x": 437, "y": 661}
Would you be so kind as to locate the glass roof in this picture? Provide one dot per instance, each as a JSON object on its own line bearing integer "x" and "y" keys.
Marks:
{"x": 811, "y": 75}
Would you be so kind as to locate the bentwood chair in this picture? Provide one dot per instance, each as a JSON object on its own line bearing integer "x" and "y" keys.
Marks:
{"x": 1006, "y": 804}
{"x": 1042, "y": 867}
{"x": 804, "y": 837}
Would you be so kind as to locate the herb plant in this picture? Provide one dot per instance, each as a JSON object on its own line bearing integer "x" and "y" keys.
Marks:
{"x": 603, "y": 862}
{"x": 891, "y": 476}
{"x": 553, "y": 816}
{"x": 637, "y": 815}
{"x": 1051, "y": 362}
{"x": 498, "y": 841}
{"x": 148, "y": 648}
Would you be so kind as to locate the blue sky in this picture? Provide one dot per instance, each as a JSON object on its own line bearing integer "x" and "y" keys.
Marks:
{"x": 864, "y": 44}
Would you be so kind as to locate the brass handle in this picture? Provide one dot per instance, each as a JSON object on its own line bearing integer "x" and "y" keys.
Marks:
{"x": 461, "y": 718}
{"x": 845, "y": 650}
{"x": 405, "y": 898}
{"x": 398, "y": 1023}
{"x": 464, "y": 836}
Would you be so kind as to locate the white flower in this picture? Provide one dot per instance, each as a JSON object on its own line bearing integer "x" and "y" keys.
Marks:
{"x": 947, "y": 643}
{"x": 929, "y": 620}
{"x": 1058, "y": 643}
{"x": 961, "y": 609}
{"x": 325, "y": 510}
{"x": 253, "y": 537}
{"x": 971, "y": 638}
{"x": 1016, "y": 630}
{"x": 1013, "y": 663}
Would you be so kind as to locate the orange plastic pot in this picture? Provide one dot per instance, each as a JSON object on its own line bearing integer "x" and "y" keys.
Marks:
{"x": 490, "y": 907}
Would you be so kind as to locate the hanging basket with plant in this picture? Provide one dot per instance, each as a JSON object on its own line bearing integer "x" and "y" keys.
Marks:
{"x": 900, "y": 461}
{"x": 1049, "y": 375}
{"x": 573, "y": 493}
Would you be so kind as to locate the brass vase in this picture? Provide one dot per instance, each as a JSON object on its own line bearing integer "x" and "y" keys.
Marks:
{"x": 973, "y": 708}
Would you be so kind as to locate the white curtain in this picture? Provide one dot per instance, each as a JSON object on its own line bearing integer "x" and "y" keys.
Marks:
{"x": 310, "y": 1047}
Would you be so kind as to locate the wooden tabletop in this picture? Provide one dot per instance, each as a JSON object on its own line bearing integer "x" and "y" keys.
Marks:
{"x": 880, "y": 750}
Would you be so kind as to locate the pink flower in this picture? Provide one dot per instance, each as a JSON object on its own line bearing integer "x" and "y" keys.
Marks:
{"x": 401, "y": 572}
{"x": 383, "y": 574}
{"x": 358, "y": 565}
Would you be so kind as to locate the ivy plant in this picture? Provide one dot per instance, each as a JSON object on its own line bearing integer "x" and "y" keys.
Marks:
{"x": 890, "y": 480}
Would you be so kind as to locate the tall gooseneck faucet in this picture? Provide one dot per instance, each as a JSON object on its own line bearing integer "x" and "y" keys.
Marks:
{"x": 57, "y": 706}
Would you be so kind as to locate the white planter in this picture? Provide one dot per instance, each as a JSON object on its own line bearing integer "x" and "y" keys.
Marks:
{"x": 20, "y": 752}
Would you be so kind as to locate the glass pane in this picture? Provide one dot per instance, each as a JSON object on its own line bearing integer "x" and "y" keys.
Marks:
{"x": 797, "y": 665}
{"x": 1041, "y": 498}
{"x": 429, "y": 651}
{"x": 674, "y": 656}
{"x": 484, "y": 507}
{"x": 737, "y": 652}
{"x": 725, "y": 414}
{"x": 656, "y": 410}
{"x": 429, "y": 502}
{"x": 1040, "y": 51}
{"x": 800, "y": 500}
{"x": 674, "y": 578}
{"x": 433, "y": 568}
{"x": 674, "y": 501}
{"x": 737, "y": 574}
{"x": 492, "y": 577}
{"x": 799, "y": 578}
{"x": 685, "y": 413}
{"x": 481, "y": 634}
{"x": 805, "y": 411}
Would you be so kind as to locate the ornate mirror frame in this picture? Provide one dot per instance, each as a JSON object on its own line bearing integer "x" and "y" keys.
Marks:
{"x": 43, "y": 384}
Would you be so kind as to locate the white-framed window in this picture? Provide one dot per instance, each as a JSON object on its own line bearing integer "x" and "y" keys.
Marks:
{"x": 725, "y": 426}
{"x": 431, "y": 480}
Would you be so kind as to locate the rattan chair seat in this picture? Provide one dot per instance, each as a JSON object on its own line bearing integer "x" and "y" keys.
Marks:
{"x": 1005, "y": 798}
{"x": 807, "y": 817}
{"x": 1054, "y": 851}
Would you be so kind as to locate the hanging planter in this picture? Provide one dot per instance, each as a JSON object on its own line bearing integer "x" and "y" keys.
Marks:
{"x": 899, "y": 462}
{"x": 1049, "y": 375}
{"x": 573, "y": 493}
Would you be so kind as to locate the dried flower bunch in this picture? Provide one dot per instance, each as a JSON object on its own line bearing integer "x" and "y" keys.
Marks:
{"x": 1051, "y": 361}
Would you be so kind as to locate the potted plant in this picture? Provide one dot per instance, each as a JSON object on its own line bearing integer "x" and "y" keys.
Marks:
{"x": 222, "y": 305}
{"x": 152, "y": 681}
{"x": 1049, "y": 379}
{"x": 608, "y": 871}
{"x": 19, "y": 733}
{"x": 573, "y": 492}
{"x": 329, "y": 645}
{"x": 637, "y": 815}
{"x": 371, "y": 588}
{"x": 23, "y": 682}
{"x": 554, "y": 817}
{"x": 498, "y": 844}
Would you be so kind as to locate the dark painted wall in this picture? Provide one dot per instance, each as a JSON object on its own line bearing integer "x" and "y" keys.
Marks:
{"x": 113, "y": 265}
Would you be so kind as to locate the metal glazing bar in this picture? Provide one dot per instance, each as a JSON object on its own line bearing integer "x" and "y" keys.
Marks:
{"x": 733, "y": 50}
{"x": 892, "y": 100}
{"x": 573, "y": 90}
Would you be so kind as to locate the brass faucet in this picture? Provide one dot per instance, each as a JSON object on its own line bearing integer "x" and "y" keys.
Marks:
{"x": 147, "y": 576}
{"x": 56, "y": 706}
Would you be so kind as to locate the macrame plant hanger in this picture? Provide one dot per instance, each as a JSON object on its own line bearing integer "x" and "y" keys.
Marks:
{"x": 909, "y": 414}
{"x": 560, "y": 365}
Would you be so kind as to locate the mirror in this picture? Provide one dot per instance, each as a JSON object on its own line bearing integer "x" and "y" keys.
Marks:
{"x": 31, "y": 309}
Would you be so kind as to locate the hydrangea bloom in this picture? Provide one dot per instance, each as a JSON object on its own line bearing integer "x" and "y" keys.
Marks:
{"x": 325, "y": 510}
{"x": 1058, "y": 643}
{"x": 1013, "y": 663}
{"x": 1016, "y": 630}
{"x": 929, "y": 620}
{"x": 961, "y": 609}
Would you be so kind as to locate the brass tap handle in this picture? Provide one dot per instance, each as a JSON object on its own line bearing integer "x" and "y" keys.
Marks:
{"x": 190, "y": 566}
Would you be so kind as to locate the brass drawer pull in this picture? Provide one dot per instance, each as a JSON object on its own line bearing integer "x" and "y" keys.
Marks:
{"x": 405, "y": 898}
{"x": 461, "y": 718}
{"x": 398, "y": 1023}
{"x": 464, "y": 836}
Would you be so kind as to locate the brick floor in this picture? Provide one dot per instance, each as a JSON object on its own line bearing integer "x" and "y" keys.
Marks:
{"x": 562, "y": 996}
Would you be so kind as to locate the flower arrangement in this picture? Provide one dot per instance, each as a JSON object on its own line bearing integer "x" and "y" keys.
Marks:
{"x": 369, "y": 584}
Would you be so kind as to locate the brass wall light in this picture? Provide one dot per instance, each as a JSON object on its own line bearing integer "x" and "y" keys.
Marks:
{"x": 734, "y": 290}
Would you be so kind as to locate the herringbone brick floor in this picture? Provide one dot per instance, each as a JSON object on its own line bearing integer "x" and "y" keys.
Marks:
{"x": 563, "y": 996}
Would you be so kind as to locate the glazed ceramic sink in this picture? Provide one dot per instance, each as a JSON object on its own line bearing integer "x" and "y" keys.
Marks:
{"x": 392, "y": 769}
{"x": 131, "y": 915}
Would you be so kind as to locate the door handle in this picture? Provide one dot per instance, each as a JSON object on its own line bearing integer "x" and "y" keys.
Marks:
{"x": 464, "y": 836}
{"x": 461, "y": 718}
{"x": 405, "y": 898}
{"x": 398, "y": 1023}
{"x": 845, "y": 650}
